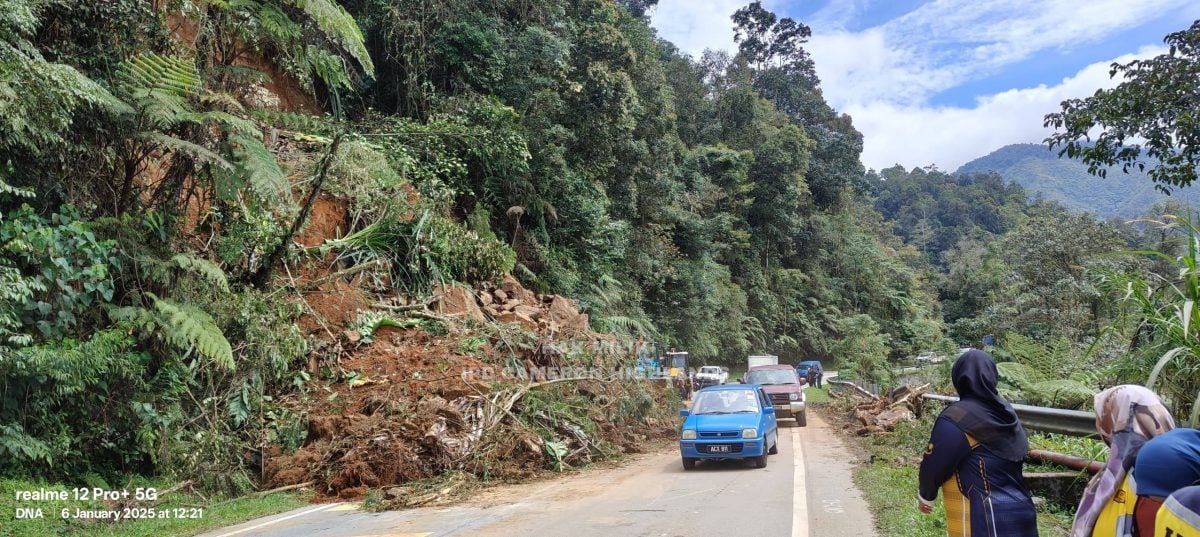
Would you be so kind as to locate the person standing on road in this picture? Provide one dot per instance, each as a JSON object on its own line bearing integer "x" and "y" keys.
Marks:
{"x": 1127, "y": 417}
{"x": 975, "y": 455}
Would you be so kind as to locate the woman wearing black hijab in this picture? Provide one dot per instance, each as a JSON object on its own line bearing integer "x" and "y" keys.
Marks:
{"x": 975, "y": 455}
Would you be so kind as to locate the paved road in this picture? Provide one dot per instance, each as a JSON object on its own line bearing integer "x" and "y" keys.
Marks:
{"x": 805, "y": 491}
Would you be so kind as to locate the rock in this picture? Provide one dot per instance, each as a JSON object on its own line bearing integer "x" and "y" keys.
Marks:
{"x": 528, "y": 311}
{"x": 459, "y": 301}
{"x": 352, "y": 336}
{"x": 516, "y": 290}
{"x": 510, "y": 305}
{"x": 565, "y": 313}
{"x": 511, "y": 317}
{"x": 501, "y": 296}
{"x": 485, "y": 299}
{"x": 393, "y": 493}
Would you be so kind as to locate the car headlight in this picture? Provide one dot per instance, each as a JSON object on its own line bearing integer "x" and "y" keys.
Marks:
{"x": 750, "y": 433}
{"x": 794, "y": 396}
{"x": 688, "y": 434}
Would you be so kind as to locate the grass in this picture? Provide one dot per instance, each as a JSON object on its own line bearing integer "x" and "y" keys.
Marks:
{"x": 216, "y": 513}
{"x": 889, "y": 482}
{"x": 817, "y": 395}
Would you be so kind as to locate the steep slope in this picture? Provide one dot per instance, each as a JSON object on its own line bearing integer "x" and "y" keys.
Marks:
{"x": 1067, "y": 181}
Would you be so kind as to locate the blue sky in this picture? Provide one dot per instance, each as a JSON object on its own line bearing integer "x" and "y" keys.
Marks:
{"x": 945, "y": 81}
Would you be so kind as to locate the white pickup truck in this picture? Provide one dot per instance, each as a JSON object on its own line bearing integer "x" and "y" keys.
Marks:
{"x": 711, "y": 375}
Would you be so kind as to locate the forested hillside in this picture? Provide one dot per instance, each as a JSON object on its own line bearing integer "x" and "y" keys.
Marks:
{"x": 1067, "y": 181}
{"x": 208, "y": 208}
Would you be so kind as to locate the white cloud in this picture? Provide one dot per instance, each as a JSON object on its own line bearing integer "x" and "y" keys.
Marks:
{"x": 918, "y": 135}
{"x": 885, "y": 76}
{"x": 696, "y": 25}
{"x": 945, "y": 43}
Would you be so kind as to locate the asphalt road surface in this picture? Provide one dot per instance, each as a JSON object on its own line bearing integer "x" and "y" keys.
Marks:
{"x": 805, "y": 491}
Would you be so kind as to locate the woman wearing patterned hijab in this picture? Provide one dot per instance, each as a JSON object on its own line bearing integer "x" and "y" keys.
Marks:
{"x": 1126, "y": 417}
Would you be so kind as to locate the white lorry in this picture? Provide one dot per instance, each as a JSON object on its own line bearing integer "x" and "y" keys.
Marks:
{"x": 711, "y": 375}
{"x": 765, "y": 359}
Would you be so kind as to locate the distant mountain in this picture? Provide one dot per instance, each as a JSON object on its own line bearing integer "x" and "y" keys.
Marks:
{"x": 1067, "y": 181}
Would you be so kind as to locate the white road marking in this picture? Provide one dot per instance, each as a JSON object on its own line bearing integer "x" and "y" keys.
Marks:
{"x": 278, "y": 520}
{"x": 799, "y": 493}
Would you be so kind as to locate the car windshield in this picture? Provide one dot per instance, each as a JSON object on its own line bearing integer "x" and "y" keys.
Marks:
{"x": 725, "y": 402}
{"x": 767, "y": 377}
{"x": 715, "y": 370}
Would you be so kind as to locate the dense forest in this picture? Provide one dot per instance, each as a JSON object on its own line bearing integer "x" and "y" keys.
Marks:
{"x": 163, "y": 162}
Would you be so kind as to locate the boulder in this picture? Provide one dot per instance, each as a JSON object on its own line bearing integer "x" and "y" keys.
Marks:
{"x": 529, "y": 311}
{"x": 565, "y": 314}
{"x": 512, "y": 317}
{"x": 517, "y": 291}
{"x": 458, "y": 301}
{"x": 485, "y": 299}
{"x": 500, "y": 295}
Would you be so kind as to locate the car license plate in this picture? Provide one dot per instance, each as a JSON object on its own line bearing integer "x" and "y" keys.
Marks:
{"x": 718, "y": 449}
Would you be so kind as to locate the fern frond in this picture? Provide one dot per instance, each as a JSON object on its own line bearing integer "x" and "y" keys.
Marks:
{"x": 339, "y": 27}
{"x": 202, "y": 267}
{"x": 228, "y": 122}
{"x": 190, "y": 329}
{"x": 163, "y": 73}
{"x": 198, "y": 152}
{"x": 258, "y": 166}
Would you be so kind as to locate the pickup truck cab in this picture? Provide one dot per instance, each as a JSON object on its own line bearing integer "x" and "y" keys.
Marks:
{"x": 784, "y": 388}
{"x": 734, "y": 421}
{"x": 711, "y": 375}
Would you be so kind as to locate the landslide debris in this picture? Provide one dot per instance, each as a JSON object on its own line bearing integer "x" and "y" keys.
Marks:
{"x": 466, "y": 384}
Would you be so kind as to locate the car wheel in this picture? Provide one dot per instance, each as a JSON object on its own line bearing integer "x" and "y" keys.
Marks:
{"x": 760, "y": 461}
{"x": 689, "y": 464}
{"x": 774, "y": 447}
{"x": 802, "y": 419}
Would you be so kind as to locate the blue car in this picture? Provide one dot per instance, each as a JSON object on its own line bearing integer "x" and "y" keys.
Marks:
{"x": 731, "y": 421}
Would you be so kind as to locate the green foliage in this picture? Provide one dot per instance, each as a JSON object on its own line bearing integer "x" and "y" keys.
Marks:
{"x": 1061, "y": 393}
{"x": 190, "y": 329}
{"x": 1164, "y": 316}
{"x": 1154, "y": 104}
{"x": 64, "y": 271}
{"x": 428, "y": 250}
{"x": 310, "y": 38}
{"x": 50, "y": 393}
{"x": 861, "y": 350}
{"x": 39, "y": 98}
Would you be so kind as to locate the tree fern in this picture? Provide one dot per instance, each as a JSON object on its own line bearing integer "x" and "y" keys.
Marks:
{"x": 339, "y": 27}
{"x": 189, "y": 329}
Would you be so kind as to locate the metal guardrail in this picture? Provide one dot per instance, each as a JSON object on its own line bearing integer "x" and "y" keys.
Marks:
{"x": 1047, "y": 420}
